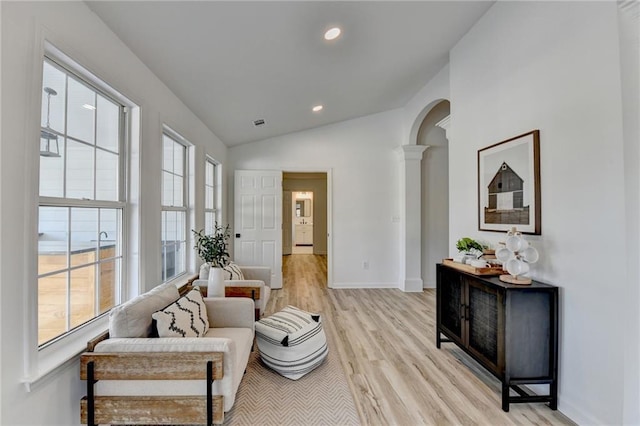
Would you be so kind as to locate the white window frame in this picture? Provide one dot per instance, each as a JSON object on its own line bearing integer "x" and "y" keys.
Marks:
{"x": 216, "y": 209}
{"x": 70, "y": 203}
{"x": 41, "y": 360}
{"x": 184, "y": 208}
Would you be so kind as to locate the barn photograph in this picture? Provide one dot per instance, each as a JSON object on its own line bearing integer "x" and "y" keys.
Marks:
{"x": 506, "y": 198}
{"x": 508, "y": 184}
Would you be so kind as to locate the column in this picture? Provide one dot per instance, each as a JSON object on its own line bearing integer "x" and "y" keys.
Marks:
{"x": 410, "y": 221}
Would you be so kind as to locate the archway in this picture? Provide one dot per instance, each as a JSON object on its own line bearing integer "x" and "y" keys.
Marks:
{"x": 434, "y": 191}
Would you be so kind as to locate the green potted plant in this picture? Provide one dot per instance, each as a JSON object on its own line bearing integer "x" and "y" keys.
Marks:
{"x": 469, "y": 246}
{"x": 214, "y": 250}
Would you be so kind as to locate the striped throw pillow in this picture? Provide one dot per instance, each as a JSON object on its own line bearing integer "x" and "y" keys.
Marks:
{"x": 232, "y": 272}
{"x": 186, "y": 317}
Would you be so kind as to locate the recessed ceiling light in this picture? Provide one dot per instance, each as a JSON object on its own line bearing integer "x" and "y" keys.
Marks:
{"x": 317, "y": 108}
{"x": 332, "y": 33}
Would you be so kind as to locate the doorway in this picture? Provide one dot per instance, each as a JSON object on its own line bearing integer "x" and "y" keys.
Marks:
{"x": 305, "y": 216}
{"x": 302, "y": 222}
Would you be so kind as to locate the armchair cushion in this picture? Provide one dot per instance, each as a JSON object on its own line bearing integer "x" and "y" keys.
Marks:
{"x": 260, "y": 273}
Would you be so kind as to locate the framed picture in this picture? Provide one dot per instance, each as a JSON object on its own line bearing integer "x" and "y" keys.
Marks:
{"x": 509, "y": 185}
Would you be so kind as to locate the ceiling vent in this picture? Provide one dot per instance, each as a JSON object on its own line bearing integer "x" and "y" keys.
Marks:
{"x": 258, "y": 122}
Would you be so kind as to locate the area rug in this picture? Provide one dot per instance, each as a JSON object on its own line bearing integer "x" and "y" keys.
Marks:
{"x": 265, "y": 398}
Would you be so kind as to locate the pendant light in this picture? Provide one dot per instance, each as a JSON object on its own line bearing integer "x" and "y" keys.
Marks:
{"x": 47, "y": 136}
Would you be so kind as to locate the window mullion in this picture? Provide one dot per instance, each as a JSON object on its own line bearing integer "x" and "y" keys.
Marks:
{"x": 174, "y": 208}
{"x": 122, "y": 164}
{"x": 66, "y": 141}
{"x": 68, "y": 307}
{"x": 96, "y": 295}
{"x": 75, "y": 202}
{"x": 95, "y": 145}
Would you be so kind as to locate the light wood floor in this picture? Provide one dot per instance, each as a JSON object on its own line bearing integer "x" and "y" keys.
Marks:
{"x": 386, "y": 342}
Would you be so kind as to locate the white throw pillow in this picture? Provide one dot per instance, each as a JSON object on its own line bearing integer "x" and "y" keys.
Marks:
{"x": 186, "y": 317}
{"x": 133, "y": 318}
{"x": 232, "y": 272}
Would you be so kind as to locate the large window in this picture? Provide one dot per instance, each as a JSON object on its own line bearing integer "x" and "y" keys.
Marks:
{"x": 174, "y": 207}
{"x": 81, "y": 206}
{"x": 211, "y": 197}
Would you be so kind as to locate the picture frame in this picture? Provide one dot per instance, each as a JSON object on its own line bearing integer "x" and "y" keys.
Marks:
{"x": 509, "y": 185}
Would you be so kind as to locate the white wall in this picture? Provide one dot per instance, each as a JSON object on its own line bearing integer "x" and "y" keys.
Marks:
{"x": 556, "y": 67}
{"x": 365, "y": 188}
{"x": 629, "y": 20}
{"x": 74, "y": 29}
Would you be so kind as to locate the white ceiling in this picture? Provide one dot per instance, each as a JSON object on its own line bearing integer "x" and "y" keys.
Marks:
{"x": 234, "y": 62}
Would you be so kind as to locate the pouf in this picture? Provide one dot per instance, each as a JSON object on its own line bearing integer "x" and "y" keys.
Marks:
{"x": 291, "y": 342}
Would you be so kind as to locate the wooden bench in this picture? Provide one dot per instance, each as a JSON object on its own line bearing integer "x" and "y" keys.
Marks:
{"x": 119, "y": 410}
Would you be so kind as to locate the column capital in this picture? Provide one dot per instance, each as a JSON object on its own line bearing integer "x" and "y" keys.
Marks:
{"x": 444, "y": 124}
{"x": 411, "y": 152}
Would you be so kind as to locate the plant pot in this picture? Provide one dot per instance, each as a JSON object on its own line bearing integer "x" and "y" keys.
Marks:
{"x": 204, "y": 271}
{"x": 215, "y": 284}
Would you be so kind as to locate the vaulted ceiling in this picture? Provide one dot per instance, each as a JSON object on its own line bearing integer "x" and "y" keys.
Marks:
{"x": 235, "y": 62}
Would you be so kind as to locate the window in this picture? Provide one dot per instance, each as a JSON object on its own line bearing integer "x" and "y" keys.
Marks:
{"x": 81, "y": 203}
{"x": 211, "y": 197}
{"x": 174, "y": 207}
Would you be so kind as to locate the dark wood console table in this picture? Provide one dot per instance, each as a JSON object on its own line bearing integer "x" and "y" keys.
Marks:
{"x": 511, "y": 330}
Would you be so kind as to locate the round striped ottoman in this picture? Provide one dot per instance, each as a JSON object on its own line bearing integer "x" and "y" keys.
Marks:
{"x": 291, "y": 342}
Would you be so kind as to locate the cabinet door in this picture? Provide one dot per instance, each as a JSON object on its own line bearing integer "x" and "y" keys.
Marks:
{"x": 529, "y": 336}
{"x": 485, "y": 324}
{"x": 451, "y": 304}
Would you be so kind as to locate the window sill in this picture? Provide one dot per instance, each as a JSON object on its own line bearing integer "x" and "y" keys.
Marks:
{"x": 63, "y": 352}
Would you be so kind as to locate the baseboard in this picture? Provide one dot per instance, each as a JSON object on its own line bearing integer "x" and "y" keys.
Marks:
{"x": 429, "y": 285}
{"x": 356, "y": 285}
{"x": 577, "y": 415}
{"x": 412, "y": 285}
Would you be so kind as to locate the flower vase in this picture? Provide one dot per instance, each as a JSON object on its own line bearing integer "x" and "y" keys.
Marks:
{"x": 215, "y": 284}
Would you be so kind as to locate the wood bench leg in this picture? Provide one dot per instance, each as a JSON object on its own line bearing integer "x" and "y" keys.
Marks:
{"x": 209, "y": 393}
{"x": 91, "y": 409}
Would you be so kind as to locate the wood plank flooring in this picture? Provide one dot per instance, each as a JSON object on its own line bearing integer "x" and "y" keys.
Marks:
{"x": 386, "y": 343}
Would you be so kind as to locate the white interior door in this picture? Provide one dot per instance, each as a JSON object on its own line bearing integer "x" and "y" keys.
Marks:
{"x": 258, "y": 221}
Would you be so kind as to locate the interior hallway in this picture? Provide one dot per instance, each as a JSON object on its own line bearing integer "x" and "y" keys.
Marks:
{"x": 386, "y": 342}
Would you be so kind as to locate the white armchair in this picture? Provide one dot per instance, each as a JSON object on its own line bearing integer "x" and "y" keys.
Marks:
{"x": 257, "y": 278}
